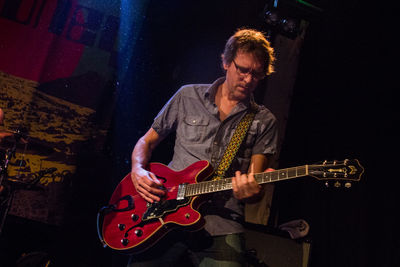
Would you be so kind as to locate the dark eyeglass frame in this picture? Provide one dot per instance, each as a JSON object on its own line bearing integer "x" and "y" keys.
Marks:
{"x": 246, "y": 71}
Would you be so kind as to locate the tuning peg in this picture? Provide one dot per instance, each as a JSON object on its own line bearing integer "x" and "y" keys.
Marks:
{"x": 337, "y": 184}
{"x": 347, "y": 185}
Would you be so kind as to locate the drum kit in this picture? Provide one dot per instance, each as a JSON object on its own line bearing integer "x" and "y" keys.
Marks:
{"x": 10, "y": 142}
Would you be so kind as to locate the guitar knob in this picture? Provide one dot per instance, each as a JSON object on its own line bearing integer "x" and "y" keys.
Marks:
{"x": 138, "y": 232}
{"x": 347, "y": 185}
{"x": 121, "y": 226}
{"x": 135, "y": 217}
{"x": 124, "y": 241}
{"x": 337, "y": 184}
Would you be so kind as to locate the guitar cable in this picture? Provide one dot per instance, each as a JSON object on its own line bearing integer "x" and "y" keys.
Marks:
{"x": 110, "y": 208}
{"x": 107, "y": 209}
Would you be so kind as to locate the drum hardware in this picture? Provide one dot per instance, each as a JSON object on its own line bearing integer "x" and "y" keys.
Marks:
{"x": 8, "y": 185}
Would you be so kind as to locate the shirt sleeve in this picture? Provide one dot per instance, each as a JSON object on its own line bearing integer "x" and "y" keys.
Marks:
{"x": 166, "y": 120}
{"x": 267, "y": 139}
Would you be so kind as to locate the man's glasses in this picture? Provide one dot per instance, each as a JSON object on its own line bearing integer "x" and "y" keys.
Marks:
{"x": 257, "y": 75}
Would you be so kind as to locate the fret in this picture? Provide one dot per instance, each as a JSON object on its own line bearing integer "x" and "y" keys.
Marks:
{"x": 267, "y": 177}
{"x": 259, "y": 177}
{"x": 223, "y": 182}
{"x": 228, "y": 183}
{"x": 292, "y": 172}
{"x": 194, "y": 189}
{"x": 301, "y": 171}
{"x": 188, "y": 190}
{"x": 198, "y": 189}
{"x": 282, "y": 174}
{"x": 210, "y": 186}
{"x": 274, "y": 176}
{"x": 220, "y": 185}
{"x": 204, "y": 187}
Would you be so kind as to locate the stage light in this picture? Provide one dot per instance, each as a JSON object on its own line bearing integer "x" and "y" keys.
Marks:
{"x": 279, "y": 22}
{"x": 290, "y": 27}
{"x": 272, "y": 18}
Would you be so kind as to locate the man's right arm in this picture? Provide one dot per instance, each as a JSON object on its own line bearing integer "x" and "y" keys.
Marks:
{"x": 146, "y": 183}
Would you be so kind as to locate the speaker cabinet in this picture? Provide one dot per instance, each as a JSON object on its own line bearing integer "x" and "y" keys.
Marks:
{"x": 275, "y": 249}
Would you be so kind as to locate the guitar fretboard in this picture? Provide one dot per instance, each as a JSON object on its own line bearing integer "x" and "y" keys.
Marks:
{"x": 261, "y": 178}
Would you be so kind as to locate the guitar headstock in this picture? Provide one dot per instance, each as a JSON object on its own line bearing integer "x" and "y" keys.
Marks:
{"x": 347, "y": 171}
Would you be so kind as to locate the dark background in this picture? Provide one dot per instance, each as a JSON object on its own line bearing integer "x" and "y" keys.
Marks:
{"x": 343, "y": 106}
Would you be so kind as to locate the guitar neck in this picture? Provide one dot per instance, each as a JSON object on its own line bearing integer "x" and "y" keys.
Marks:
{"x": 261, "y": 178}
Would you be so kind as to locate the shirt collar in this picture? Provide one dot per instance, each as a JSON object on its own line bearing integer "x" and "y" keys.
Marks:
{"x": 212, "y": 90}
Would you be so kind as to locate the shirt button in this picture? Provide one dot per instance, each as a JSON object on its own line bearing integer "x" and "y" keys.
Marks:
{"x": 215, "y": 143}
{"x": 194, "y": 121}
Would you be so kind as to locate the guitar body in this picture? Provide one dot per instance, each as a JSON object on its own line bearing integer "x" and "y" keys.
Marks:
{"x": 133, "y": 225}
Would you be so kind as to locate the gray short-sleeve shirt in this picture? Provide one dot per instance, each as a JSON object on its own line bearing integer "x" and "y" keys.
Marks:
{"x": 200, "y": 135}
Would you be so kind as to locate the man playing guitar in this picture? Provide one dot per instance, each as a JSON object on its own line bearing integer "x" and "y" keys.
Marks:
{"x": 204, "y": 118}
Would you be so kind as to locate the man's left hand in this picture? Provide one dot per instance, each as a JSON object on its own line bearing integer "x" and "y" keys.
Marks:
{"x": 245, "y": 186}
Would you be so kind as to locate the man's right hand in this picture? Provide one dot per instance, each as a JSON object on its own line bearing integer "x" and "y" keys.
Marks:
{"x": 147, "y": 185}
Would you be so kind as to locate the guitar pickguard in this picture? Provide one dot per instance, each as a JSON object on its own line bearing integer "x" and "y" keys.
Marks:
{"x": 159, "y": 209}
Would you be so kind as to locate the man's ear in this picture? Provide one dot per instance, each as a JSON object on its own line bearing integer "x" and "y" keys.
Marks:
{"x": 224, "y": 65}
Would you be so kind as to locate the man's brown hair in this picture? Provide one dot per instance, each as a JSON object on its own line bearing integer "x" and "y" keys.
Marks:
{"x": 250, "y": 41}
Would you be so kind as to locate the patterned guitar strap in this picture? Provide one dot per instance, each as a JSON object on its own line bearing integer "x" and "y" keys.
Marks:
{"x": 235, "y": 143}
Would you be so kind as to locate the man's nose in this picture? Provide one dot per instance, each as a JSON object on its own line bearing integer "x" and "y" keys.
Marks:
{"x": 248, "y": 78}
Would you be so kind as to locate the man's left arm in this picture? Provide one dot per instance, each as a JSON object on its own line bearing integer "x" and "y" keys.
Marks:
{"x": 244, "y": 186}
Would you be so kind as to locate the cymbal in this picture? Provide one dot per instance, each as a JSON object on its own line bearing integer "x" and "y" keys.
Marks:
{"x": 22, "y": 138}
{"x": 5, "y": 134}
{"x": 10, "y": 131}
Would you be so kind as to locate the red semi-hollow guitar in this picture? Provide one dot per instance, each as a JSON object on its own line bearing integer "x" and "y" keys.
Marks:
{"x": 132, "y": 225}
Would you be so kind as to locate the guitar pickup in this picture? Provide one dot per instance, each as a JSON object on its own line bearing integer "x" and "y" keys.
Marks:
{"x": 181, "y": 192}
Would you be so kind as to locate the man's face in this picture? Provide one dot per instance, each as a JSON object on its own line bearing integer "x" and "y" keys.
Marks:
{"x": 243, "y": 75}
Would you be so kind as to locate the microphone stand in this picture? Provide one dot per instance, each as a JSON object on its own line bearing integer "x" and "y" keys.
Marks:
{"x": 3, "y": 177}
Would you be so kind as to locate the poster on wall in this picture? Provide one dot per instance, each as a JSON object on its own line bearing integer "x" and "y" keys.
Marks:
{"x": 57, "y": 86}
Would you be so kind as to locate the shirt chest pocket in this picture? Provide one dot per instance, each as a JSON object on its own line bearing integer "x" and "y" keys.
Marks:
{"x": 194, "y": 128}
